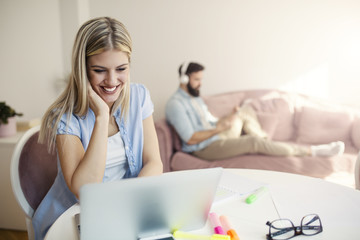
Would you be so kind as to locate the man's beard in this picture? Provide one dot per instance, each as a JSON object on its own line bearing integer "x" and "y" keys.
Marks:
{"x": 192, "y": 91}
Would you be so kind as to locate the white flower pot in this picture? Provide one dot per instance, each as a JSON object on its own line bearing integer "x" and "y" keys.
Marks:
{"x": 9, "y": 129}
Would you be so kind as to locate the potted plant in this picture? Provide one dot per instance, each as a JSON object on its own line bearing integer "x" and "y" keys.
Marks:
{"x": 7, "y": 120}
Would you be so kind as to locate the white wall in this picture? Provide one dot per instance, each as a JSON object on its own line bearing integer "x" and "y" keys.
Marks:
{"x": 312, "y": 46}
{"x": 30, "y": 54}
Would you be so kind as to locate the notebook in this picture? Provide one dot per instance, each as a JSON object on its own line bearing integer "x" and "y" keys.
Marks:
{"x": 234, "y": 186}
{"x": 147, "y": 206}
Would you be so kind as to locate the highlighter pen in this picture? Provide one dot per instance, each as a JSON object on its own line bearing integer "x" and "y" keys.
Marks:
{"x": 256, "y": 195}
{"x": 214, "y": 220}
{"x": 228, "y": 228}
{"x": 185, "y": 235}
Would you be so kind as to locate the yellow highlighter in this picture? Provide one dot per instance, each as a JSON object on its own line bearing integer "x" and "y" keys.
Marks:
{"x": 185, "y": 235}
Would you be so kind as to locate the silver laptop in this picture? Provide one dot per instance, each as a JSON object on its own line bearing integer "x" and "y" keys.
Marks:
{"x": 148, "y": 206}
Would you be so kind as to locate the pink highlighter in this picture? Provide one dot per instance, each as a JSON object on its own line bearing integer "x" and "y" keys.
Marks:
{"x": 215, "y": 223}
{"x": 228, "y": 228}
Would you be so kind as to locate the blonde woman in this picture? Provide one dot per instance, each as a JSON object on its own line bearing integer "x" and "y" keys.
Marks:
{"x": 101, "y": 126}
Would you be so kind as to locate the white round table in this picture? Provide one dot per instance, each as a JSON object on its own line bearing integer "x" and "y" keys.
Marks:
{"x": 291, "y": 196}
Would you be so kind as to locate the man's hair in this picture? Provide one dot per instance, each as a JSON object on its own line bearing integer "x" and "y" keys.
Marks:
{"x": 193, "y": 67}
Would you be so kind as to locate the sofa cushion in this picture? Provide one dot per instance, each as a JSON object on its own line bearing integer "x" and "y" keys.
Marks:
{"x": 323, "y": 126}
{"x": 355, "y": 133}
{"x": 223, "y": 104}
{"x": 176, "y": 139}
{"x": 268, "y": 122}
{"x": 284, "y": 111}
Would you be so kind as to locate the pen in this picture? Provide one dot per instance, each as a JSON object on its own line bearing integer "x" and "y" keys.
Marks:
{"x": 228, "y": 228}
{"x": 256, "y": 195}
{"x": 214, "y": 220}
{"x": 184, "y": 235}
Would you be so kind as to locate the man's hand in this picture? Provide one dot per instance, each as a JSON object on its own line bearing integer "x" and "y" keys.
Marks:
{"x": 225, "y": 123}
{"x": 222, "y": 125}
{"x": 236, "y": 109}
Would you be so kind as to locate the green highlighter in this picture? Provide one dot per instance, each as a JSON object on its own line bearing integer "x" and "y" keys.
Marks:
{"x": 256, "y": 195}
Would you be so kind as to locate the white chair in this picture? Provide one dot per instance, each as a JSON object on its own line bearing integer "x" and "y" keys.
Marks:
{"x": 33, "y": 171}
{"x": 357, "y": 172}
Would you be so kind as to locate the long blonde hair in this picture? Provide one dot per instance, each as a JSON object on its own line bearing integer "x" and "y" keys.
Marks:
{"x": 94, "y": 37}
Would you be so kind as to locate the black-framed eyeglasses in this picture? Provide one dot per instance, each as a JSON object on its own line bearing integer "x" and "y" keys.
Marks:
{"x": 282, "y": 229}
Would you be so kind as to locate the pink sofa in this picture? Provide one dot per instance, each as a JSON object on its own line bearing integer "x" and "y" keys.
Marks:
{"x": 285, "y": 117}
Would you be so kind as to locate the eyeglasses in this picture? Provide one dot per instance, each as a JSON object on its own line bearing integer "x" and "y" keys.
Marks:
{"x": 282, "y": 229}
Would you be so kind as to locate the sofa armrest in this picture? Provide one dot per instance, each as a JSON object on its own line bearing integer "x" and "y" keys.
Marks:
{"x": 165, "y": 139}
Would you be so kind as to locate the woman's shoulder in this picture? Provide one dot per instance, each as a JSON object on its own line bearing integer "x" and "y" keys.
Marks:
{"x": 138, "y": 92}
{"x": 75, "y": 124}
{"x": 77, "y": 118}
{"x": 140, "y": 99}
{"x": 75, "y": 121}
{"x": 137, "y": 87}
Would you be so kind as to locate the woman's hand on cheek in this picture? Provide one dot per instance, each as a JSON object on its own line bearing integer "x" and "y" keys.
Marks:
{"x": 97, "y": 104}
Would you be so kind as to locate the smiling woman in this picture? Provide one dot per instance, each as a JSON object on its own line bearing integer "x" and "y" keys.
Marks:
{"x": 101, "y": 125}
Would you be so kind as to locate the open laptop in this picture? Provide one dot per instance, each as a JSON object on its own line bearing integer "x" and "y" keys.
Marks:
{"x": 148, "y": 206}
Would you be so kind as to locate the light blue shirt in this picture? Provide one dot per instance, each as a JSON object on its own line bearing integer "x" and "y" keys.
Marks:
{"x": 185, "y": 118}
{"x": 60, "y": 198}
